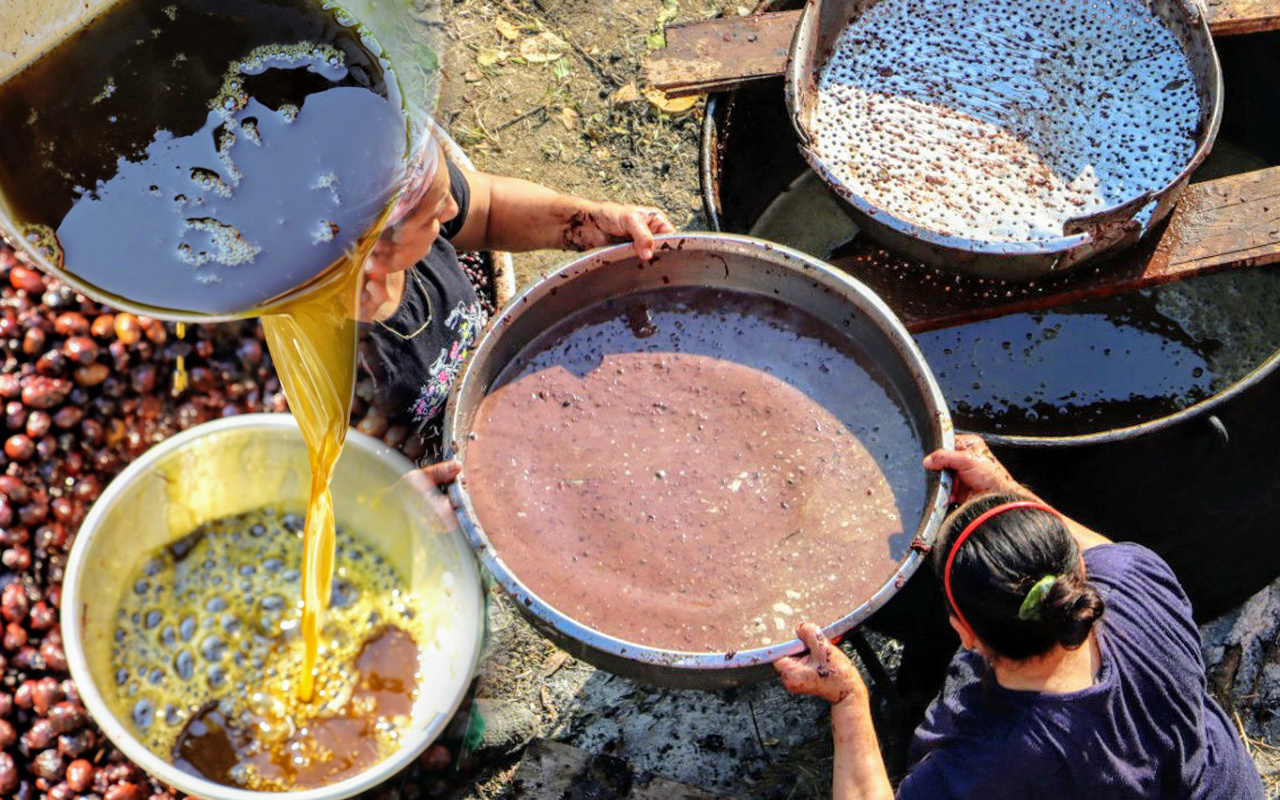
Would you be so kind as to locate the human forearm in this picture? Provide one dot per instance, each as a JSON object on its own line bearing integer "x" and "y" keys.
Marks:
{"x": 511, "y": 214}
{"x": 824, "y": 671}
{"x": 517, "y": 215}
{"x": 1084, "y": 536}
{"x": 858, "y": 772}
{"x": 977, "y": 471}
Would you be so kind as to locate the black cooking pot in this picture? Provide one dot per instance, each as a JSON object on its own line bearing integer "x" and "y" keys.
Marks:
{"x": 1197, "y": 484}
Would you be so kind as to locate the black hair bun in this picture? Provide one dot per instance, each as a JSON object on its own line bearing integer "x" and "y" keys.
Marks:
{"x": 1071, "y": 608}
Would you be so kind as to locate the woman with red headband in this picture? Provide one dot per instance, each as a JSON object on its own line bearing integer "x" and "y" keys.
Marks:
{"x": 1079, "y": 673}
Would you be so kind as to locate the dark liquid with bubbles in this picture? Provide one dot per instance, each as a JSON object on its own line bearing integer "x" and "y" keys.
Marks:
{"x": 202, "y": 155}
{"x": 1111, "y": 363}
{"x": 328, "y": 748}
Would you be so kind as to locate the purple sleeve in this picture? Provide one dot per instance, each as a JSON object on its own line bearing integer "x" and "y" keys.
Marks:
{"x": 1006, "y": 769}
{"x": 1118, "y": 563}
{"x": 1140, "y": 587}
{"x": 935, "y": 779}
{"x": 924, "y": 782}
{"x": 961, "y": 745}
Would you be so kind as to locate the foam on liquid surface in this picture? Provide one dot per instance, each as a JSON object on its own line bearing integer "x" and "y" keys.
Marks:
{"x": 209, "y": 629}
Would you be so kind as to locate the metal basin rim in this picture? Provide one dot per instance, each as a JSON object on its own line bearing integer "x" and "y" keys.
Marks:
{"x": 719, "y": 668}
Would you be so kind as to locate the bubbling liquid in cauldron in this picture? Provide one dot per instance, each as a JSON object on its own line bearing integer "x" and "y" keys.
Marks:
{"x": 696, "y": 470}
{"x": 208, "y": 650}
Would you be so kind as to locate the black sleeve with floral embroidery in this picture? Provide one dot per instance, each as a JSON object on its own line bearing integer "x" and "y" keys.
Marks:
{"x": 414, "y": 355}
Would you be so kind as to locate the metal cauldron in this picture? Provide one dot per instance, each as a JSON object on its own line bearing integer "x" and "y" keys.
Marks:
{"x": 1085, "y": 238}
{"x": 715, "y": 261}
{"x": 1195, "y": 484}
{"x": 234, "y": 465}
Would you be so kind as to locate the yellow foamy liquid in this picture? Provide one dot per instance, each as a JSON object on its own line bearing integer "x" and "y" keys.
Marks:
{"x": 313, "y": 343}
{"x": 209, "y": 628}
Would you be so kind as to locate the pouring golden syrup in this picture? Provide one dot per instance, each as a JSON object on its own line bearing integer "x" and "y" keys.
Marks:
{"x": 206, "y": 651}
{"x": 180, "y": 378}
{"x": 313, "y": 342}
{"x": 211, "y": 158}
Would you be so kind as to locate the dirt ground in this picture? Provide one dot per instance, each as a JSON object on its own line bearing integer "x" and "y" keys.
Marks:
{"x": 551, "y": 90}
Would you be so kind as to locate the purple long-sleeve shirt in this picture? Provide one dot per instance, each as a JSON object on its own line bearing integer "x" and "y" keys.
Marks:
{"x": 1146, "y": 729}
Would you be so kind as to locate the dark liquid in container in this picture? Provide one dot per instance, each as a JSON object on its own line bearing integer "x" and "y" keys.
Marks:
{"x": 1136, "y": 357}
{"x": 328, "y": 748}
{"x": 696, "y": 470}
{"x": 1111, "y": 363}
{"x": 1096, "y": 366}
{"x": 1092, "y": 367}
{"x": 202, "y": 155}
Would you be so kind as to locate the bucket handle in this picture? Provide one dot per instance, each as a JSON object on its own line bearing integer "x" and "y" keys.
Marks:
{"x": 1219, "y": 428}
{"x": 1113, "y": 227}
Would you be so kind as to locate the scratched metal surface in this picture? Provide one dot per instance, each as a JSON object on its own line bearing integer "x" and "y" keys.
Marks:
{"x": 1007, "y": 127}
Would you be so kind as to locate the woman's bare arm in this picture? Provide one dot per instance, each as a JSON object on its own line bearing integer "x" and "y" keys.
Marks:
{"x": 516, "y": 215}
{"x": 977, "y": 471}
{"x": 858, "y": 772}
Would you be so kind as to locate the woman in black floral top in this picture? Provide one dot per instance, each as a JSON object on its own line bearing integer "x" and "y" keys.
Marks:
{"x": 421, "y": 312}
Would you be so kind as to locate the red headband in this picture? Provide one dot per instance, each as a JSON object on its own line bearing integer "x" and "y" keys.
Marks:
{"x": 964, "y": 534}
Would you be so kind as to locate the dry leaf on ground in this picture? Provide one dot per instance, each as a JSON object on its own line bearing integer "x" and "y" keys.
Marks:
{"x": 557, "y": 660}
{"x": 626, "y": 94}
{"x": 548, "y": 705}
{"x": 670, "y": 105}
{"x": 507, "y": 29}
{"x": 488, "y": 56}
{"x": 544, "y": 47}
{"x": 568, "y": 118}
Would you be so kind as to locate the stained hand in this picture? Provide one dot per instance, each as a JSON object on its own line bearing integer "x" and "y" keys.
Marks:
{"x": 825, "y": 671}
{"x": 429, "y": 480}
{"x": 976, "y": 469}
{"x": 612, "y": 223}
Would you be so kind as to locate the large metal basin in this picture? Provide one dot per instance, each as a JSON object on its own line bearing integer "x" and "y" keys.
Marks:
{"x": 1083, "y": 239}
{"x": 704, "y": 260}
{"x": 239, "y": 464}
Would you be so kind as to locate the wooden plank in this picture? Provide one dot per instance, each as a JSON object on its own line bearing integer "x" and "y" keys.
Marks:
{"x": 554, "y": 771}
{"x": 1234, "y": 17}
{"x": 1229, "y": 223}
{"x": 719, "y": 54}
{"x": 716, "y": 54}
